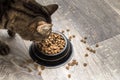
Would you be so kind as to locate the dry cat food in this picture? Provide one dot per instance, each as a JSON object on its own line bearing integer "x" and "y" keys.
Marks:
{"x": 84, "y": 41}
{"x": 85, "y": 38}
{"x": 88, "y": 48}
{"x": 73, "y": 63}
{"x": 85, "y": 64}
{"x": 68, "y": 30}
{"x": 86, "y": 55}
{"x": 73, "y": 36}
{"x": 54, "y": 44}
{"x": 69, "y": 75}
{"x": 67, "y": 67}
{"x": 97, "y": 45}
{"x": 62, "y": 31}
{"x": 70, "y": 37}
{"x": 91, "y": 50}
{"x": 42, "y": 67}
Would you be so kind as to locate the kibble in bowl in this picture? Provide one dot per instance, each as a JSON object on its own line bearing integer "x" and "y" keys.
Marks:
{"x": 53, "y": 45}
{"x": 53, "y": 51}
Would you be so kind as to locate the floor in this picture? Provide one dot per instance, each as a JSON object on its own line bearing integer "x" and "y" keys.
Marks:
{"x": 99, "y": 21}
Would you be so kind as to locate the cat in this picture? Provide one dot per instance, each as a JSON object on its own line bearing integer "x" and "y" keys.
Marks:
{"x": 31, "y": 20}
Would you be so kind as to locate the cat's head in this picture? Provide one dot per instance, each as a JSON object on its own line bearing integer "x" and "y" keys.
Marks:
{"x": 41, "y": 27}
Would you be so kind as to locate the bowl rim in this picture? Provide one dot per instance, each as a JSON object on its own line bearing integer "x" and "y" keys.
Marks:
{"x": 55, "y": 66}
{"x": 55, "y": 59}
{"x": 66, "y": 43}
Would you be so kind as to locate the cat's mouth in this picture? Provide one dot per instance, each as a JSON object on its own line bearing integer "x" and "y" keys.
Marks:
{"x": 47, "y": 33}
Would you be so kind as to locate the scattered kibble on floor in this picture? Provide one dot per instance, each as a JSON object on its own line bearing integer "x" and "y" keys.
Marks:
{"x": 69, "y": 75}
{"x": 76, "y": 63}
{"x": 67, "y": 67}
{"x": 42, "y": 67}
{"x": 69, "y": 64}
{"x": 67, "y": 30}
{"x": 91, "y": 50}
{"x": 70, "y": 37}
{"x": 84, "y": 41}
{"x": 86, "y": 55}
{"x": 94, "y": 51}
{"x": 85, "y": 38}
{"x": 85, "y": 64}
{"x": 73, "y": 36}
{"x": 62, "y": 31}
{"x": 88, "y": 48}
{"x": 97, "y": 45}
{"x": 73, "y": 63}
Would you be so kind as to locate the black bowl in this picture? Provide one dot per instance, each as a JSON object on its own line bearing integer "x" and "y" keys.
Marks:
{"x": 53, "y": 59}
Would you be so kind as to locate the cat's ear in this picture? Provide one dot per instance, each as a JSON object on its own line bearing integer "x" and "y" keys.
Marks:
{"x": 52, "y": 8}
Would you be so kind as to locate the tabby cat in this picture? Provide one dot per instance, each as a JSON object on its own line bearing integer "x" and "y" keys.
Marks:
{"x": 29, "y": 19}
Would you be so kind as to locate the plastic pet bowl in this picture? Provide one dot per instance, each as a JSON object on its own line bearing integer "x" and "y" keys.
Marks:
{"x": 53, "y": 59}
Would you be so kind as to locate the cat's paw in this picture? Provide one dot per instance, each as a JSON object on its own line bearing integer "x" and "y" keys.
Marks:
{"x": 4, "y": 49}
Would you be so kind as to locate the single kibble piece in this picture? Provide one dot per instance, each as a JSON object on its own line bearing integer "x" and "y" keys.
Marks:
{"x": 86, "y": 55}
{"x": 74, "y": 60}
{"x": 69, "y": 64}
{"x": 42, "y": 67}
{"x": 67, "y": 67}
{"x": 82, "y": 40}
{"x": 91, "y": 50}
{"x": 68, "y": 30}
{"x": 73, "y": 36}
{"x": 76, "y": 63}
{"x": 70, "y": 37}
{"x": 85, "y": 64}
{"x": 85, "y": 38}
{"x": 97, "y": 45}
{"x": 94, "y": 51}
{"x": 69, "y": 75}
{"x": 53, "y": 44}
{"x": 63, "y": 31}
{"x": 36, "y": 66}
{"x": 88, "y": 48}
